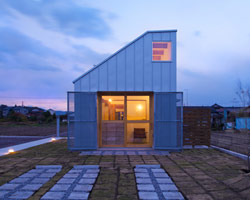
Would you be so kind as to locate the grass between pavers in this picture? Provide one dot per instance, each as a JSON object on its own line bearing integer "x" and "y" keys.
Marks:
{"x": 199, "y": 173}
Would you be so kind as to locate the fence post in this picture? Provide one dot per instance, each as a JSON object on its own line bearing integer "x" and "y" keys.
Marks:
{"x": 58, "y": 126}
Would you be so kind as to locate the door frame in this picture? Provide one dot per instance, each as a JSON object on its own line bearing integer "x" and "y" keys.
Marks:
{"x": 125, "y": 121}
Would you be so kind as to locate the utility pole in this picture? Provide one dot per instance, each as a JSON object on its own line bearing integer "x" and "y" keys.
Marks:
{"x": 186, "y": 96}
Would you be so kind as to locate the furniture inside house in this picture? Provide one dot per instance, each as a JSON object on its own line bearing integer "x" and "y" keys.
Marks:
{"x": 139, "y": 134}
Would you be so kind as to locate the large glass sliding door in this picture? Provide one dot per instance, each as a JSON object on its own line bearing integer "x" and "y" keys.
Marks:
{"x": 138, "y": 121}
{"x": 125, "y": 121}
{"x": 112, "y": 120}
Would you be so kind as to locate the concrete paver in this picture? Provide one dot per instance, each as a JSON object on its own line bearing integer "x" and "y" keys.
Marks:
{"x": 71, "y": 175}
{"x": 20, "y": 180}
{"x": 31, "y": 187}
{"x": 83, "y": 187}
{"x": 148, "y": 195}
{"x": 9, "y": 186}
{"x": 160, "y": 175}
{"x": 125, "y": 152}
{"x": 25, "y": 185}
{"x": 66, "y": 180}
{"x": 47, "y": 175}
{"x": 78, "y": 195}
{"x": 78, "y": 187}
{"x": 143, "y": 180}
{"x": 164, "y": 180}
{"x": 173, "y": 195}
{"x": 88, "y": 175}
{"x": 21, "y": 195}
{"x": 145, "y": 187}
{"x": 142, "y": 175}
{"x": 3, "y": 193}
{"x": 54, "y": 195}
{"x": 40, "y": 180}
{"x": 156, "y": 190}
{"x": 87, "y": 181}
{"x": 60, "y": 187}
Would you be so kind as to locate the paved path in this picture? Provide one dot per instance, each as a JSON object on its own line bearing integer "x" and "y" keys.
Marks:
{"x": 153, "y": 183}
{"x": 76, "y": 184}
{"x": 19, "y": 147}
{"x": 25, "y": 185}
{"x": 10, "y": 141}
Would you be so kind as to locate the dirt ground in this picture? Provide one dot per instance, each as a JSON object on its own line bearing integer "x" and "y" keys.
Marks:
{"x": 29, "y": 129}
{"x": 200, "y": 174}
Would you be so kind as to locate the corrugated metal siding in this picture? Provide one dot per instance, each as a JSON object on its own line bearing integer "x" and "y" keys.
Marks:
{"x": 132, "y": 69}
{"x": 168, "y": 120}
{"x": 82, "y": 129}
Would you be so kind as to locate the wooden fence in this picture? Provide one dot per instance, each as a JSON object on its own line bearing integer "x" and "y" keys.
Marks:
{"x": 196, "y": 126}
{"x": 232, "y": 140}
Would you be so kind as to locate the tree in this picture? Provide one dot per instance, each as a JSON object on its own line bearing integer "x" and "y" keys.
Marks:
{"x": 243, "y": 94}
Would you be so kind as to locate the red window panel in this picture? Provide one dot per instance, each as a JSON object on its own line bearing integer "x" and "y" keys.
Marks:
{"x": 156, "y": 57}
{"x": 160, "y": 45}
{"x": 158, "y": 52}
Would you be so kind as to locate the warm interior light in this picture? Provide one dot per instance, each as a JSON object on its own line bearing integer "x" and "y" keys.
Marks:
{"x": 110, "y": 100}
{"x": 53, "y": 139}
{"x": 11, "y": 151}
{"x": 139, "y": 107}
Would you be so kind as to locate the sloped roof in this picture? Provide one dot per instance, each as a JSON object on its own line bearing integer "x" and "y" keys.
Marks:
{"x": 155, "y": 31}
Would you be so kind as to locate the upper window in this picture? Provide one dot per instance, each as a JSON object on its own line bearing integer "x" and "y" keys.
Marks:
{"x": 161, "y": 51}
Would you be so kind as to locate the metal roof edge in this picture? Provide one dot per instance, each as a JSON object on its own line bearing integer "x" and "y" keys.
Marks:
{"x": 153, "y": 31}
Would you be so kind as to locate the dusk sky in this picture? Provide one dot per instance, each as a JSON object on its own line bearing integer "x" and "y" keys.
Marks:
{"x": 46, "y": 44}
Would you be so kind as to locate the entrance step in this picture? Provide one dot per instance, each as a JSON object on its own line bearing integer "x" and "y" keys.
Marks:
{"x": 125, "y": 152}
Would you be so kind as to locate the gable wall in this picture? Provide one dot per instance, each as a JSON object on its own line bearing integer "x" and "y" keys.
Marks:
{"x": 132, "y": 69}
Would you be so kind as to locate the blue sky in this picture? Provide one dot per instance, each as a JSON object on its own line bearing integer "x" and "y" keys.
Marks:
{"x": 45, "y": 44}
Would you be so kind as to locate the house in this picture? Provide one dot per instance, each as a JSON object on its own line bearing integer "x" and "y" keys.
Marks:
{"x": 129, "y": 99}
{"x": 51, "y": 111}
{"x": 5, "y": 111}
{"x": 20, "y": 109}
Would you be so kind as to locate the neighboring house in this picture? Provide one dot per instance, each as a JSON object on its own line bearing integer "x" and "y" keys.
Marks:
{"x": 51, "y": 111}
{"x": 242, "y": 123}
{"x": 223, "y": 117}
{"x": 24, "y": 110}
{"x": 217, "y": 117}
{"x": 35, "y": 112}
{"x": 129, "y": 99}
{"x": 20, "y": 109}
{"x": 6, "y": 111}
{"x": 243, "y": 118}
